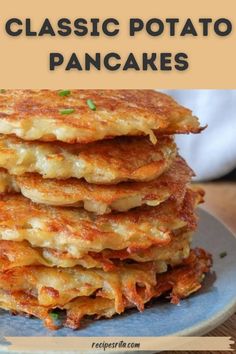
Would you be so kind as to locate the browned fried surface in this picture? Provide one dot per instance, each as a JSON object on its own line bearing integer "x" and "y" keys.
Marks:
{"x": 106, "y": 162}
{"x": 18, "y": 254}
{"x": 58, "y": 286}
{"x": 78, "y": 232}
{"x": 35, "y": 115}
{"x": 28, "y": 290}
{"x": 101, "y": 199}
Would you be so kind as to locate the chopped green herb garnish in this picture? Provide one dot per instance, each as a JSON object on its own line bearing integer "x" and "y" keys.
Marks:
{"x": 91, "y": 105}
{"x": 67, "y": 111}
{"x": 54, "y": 315}
{"x": 223, "y": 254}
{"x": 64, "y": 93}
{"x": 2, "y": 90}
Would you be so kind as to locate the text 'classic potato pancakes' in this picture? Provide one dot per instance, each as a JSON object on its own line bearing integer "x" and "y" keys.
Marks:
{"x": 96, "y": 209}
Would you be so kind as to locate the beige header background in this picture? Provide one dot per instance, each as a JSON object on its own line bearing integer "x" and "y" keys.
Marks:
{"x": 24, "y": 61}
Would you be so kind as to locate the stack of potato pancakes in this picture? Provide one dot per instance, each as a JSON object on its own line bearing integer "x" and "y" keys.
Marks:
{"x": 96, "y": 208}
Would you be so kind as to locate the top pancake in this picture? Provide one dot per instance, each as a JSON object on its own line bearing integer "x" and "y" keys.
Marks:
{"x": 37, "y": 115}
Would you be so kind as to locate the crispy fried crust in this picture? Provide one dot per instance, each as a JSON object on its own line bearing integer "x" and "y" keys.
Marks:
{"x": 104, "y": 162}
{"x": 78, "y": 232}
{"x": 99, "y": 198}
{"x": 19, "y": 254}
{"x": 35, "y": 115}
{"x": 27, "y": 290}
{"x": 58, "y": 286}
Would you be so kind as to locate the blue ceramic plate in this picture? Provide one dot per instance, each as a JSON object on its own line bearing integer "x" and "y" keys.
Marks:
{"x": 194, "y": 316}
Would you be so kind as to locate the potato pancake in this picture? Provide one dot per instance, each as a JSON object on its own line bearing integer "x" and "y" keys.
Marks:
{"x": 84, "y": 116}
{"x": 100, "y": 199}
{"x": 104, "y": 162}
{"x": 78, "y": 232}
{"x": 39, "y": 290}
{"x": 18, "y": 254}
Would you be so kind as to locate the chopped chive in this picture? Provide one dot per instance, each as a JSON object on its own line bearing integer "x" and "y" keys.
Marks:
{"x": 64, "y": 93}
{"x": 91, "y": 105}
{"x": 67, "y": 111}
{"x": 2, "y": 90}
{"x": 54, "y": 315}
{"x": 223, "y": 254}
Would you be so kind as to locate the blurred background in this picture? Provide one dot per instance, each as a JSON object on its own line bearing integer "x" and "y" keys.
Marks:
{"x": 211, "y": 154}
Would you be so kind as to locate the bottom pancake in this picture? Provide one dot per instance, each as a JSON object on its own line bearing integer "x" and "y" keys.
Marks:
{"x": 38, "y": 291}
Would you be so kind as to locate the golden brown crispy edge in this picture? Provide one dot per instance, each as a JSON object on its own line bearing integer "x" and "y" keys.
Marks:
{"x": 179, "y": 283}
{"x": 36, "y": 114}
